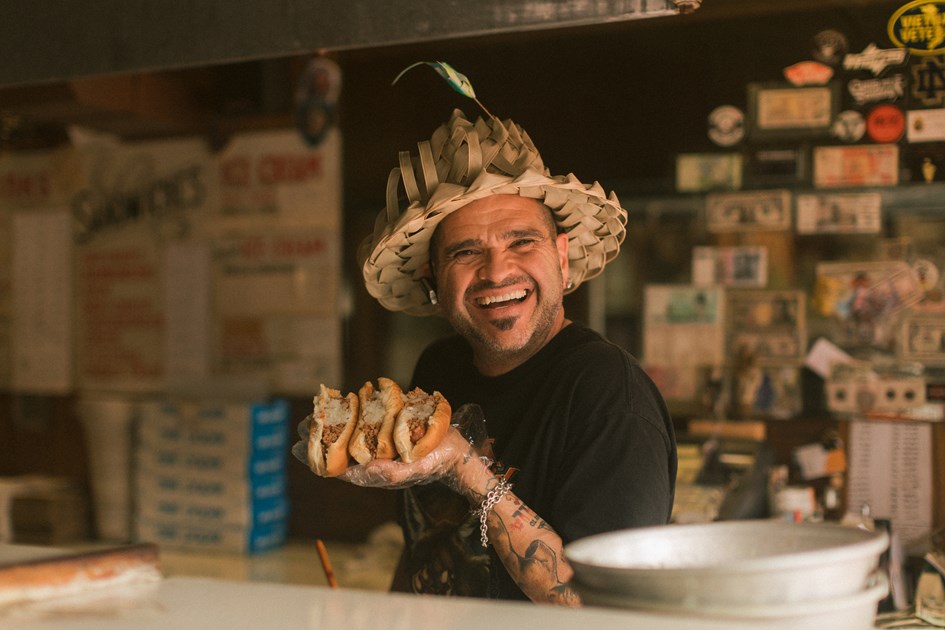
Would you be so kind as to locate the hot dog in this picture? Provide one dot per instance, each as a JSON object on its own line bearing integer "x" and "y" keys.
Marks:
{"x": 421, "y": 424}
{"x": 333, "y": 422}
{"x": 376, "y": 423}
{"x": 373, "y": 436}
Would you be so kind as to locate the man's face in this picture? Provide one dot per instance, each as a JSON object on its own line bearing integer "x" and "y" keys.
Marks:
{"x": 500, "y": 271}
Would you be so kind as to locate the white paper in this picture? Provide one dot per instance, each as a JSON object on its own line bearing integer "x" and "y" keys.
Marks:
{"x": 812, "y": 460}
{"x": 306, "y": 350}
{"x": 41, "y": 330}
{"x": 120, "y": 321}
{"x": 277, "y": 273}
{"x": 891, "y": 472}
{"x": 275, "y": 299}
{"x": 276, "y": 260}
{"x": 272, "y": 177}
{"x": 32, "y": 180}
{"x": 925, "y": 125}
{"x": 158, "y": 188}
{"x": 187, "y": 297}
{"x": 823, "y": 354}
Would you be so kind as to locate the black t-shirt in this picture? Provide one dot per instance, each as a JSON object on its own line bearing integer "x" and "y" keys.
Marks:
{"x": 585, "y": 435}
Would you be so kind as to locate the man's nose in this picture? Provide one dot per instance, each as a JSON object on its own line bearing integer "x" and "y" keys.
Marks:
{"x": 496, "y": 265}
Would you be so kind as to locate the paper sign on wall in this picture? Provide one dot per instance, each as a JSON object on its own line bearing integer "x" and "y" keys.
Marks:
{"x": 42, "y": 302}
{"x": 891, "y": 473}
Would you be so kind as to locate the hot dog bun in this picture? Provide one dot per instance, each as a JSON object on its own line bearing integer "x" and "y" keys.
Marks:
{"x": 333, "y": 422}
{"x": 373, "y": 436}
{"x": 421, "y": 424}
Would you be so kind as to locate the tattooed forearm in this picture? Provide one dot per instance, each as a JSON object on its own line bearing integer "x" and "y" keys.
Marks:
{"x": 533, "y": 555}
{"x": 564, "y": 595}
{"x": 529, "y": 548}
{"x": 524, "y": 513}
{"x": 540, "y": 563}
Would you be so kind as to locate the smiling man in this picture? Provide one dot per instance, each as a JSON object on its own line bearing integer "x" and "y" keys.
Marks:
{"x": 579, "y": 439}
{"x": 503, "y": 269}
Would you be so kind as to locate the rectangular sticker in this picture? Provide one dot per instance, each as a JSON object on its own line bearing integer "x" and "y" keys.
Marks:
{"x": 865, "y": 165}
{"x": 745, "y": 266}
{"x": 925, "y": 125}
{"x": 748, "y": 211}
{"x": 700, "y": 172}
{"x": 839, "y": 213}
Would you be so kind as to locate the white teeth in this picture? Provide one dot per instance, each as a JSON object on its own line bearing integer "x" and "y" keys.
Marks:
{"x": 514, "y": 295}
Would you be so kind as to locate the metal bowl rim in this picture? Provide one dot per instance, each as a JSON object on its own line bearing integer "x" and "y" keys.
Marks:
{"x": 870, "y": 594}
{"x": 870, "y": 543}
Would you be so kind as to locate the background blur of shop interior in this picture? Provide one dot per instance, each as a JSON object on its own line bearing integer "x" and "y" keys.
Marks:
{"x": 626, "y": 103}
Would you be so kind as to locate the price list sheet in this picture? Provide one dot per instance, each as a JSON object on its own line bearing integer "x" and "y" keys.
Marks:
{"x": 891, "y": 471}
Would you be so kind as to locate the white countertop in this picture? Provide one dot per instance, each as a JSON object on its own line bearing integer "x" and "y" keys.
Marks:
{"x": 182, "y": 603}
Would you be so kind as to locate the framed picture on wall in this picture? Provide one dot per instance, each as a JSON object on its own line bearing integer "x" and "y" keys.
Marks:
{"x": 781, "y": 110}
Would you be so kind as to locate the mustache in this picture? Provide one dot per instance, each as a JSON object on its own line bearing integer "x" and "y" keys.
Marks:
{"x": 489, "y": 285}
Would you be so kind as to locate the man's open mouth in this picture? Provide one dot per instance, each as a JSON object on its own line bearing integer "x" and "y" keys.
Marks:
{"x": 495, "y": 301}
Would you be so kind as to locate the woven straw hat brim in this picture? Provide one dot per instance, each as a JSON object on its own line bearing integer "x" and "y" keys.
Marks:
{"x": 393, "y": 258}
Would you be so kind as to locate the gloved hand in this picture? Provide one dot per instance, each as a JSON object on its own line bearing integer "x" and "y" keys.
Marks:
{"x": 451, "y": 462}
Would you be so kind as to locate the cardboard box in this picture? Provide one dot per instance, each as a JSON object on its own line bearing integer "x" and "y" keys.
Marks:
{"x": 173, "y": 533}
{"x": 213, "y": 496}
{"x": 233, "y": 433}
{"x": 212, "y": 475}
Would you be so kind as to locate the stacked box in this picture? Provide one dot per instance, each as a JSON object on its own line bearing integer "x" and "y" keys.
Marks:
{"x": 212, "y": 475}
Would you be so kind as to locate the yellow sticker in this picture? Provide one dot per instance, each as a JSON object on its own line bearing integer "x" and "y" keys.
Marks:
{"x": 919, "y": 27}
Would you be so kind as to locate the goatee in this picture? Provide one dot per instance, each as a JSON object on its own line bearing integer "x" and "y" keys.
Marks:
{"x": 506, "y": 323}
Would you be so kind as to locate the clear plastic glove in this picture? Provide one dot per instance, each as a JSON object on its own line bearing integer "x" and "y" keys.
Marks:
{"x": 466, "y": 440}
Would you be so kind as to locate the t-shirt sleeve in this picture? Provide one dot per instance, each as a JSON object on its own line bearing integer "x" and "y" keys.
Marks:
{"x": 619, "y": 466}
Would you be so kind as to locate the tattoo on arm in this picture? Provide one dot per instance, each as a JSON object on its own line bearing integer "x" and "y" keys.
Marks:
{"x": 469, "y": 454}
{"x": 522, "y": 511}
{"x": 538, "y": 565}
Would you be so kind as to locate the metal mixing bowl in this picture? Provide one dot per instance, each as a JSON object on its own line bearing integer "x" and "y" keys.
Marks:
{"x": 734, "y": 563}
{"x": 849, "y": 612}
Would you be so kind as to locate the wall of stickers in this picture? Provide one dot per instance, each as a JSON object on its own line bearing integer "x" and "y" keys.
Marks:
{"x": 805, "y": 276}
{"x": 848, "y": 143}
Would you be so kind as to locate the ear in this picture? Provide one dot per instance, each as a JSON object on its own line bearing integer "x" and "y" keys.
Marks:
{"x": 561, "y": 243}
{"x": 426, "y": 271}
{"x": 429, "y": 284}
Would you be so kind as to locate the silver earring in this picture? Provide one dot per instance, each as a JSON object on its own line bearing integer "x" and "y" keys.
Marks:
{"x": 569, "y": 285}
{"x": 431, "y": 293}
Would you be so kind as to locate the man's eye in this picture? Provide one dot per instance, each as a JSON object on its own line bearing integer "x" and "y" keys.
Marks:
{"x": 463, "y": 254}
{"x": 522, "y": 242}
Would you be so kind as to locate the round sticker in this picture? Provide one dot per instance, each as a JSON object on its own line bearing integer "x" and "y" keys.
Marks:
{"x": 726, "y": 125}
{"x": 829, "y": 47}
{"x": 849, "y": 126}
{"x": 885, "y": 123}
{"x": 315, "y": 98}
{"x": 927, "y": 273}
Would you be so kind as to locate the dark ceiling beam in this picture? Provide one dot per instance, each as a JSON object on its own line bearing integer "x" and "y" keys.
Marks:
{"x": 726, "y": 9}
{"x": 50, "y": 40}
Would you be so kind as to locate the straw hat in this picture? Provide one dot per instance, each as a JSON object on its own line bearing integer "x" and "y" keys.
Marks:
{"x": 463, "y": 162}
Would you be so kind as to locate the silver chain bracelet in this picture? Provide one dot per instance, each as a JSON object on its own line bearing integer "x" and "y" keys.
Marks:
{"x": 492, "y": 497}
